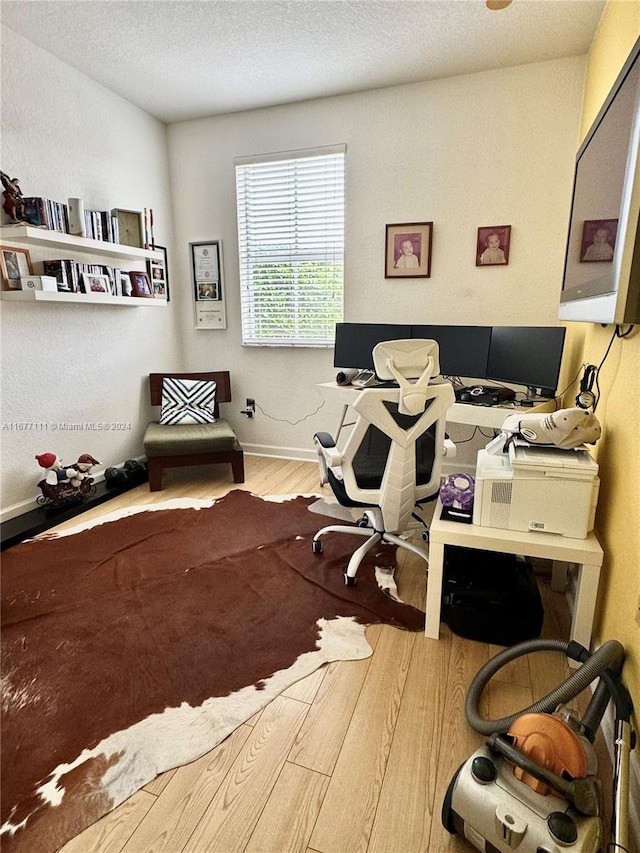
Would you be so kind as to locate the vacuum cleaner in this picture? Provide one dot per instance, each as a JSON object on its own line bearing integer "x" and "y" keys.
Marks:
{"x": 533, "y": 787}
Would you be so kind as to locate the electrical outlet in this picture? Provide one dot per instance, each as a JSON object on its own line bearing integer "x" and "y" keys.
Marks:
{"x": 250, "y": 409}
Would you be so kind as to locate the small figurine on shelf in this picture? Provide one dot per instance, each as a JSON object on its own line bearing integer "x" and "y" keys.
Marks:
{"x": 63, "y": 484}
{"x": 13, "y": 204}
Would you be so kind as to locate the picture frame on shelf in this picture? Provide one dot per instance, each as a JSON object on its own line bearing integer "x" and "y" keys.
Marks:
{"x": 130, "y": 227}
{"x": 92, "y": 283}
{"x": 14, "y": 265}
{"x": 493, "y": 245}
{"x": 140, "y": 284}
{"x": 158, "y": 271}
{"x": 408, "y": 250}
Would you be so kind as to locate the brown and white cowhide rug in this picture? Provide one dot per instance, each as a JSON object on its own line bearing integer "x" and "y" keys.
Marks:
{"x": 140, "y": 643}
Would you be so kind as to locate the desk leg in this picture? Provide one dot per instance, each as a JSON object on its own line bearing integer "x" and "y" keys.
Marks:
{"x": 585, "y": 604}
{"x": 434, "y": 590}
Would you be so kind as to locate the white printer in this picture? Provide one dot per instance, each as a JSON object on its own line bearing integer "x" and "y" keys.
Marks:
{"x": 535, "y": 488}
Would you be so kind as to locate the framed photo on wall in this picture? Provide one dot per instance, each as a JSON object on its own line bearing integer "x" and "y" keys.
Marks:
{"x": 14, "y": 265}
{"x": 492, "y": 245}
{"x": 159, "y": 274}
{"x": 407, "y": 251}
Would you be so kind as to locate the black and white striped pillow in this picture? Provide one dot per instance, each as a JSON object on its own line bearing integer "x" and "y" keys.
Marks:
{"x": 188, "y": 401}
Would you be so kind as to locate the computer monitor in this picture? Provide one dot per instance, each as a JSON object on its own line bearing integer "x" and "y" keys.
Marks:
{"x": 526, "y": 355}
{"x": 355, "y": 341}
{"x": 463, "y": 349}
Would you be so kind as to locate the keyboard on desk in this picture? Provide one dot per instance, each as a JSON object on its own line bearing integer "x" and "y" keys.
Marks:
{"x": 484, "y": 395}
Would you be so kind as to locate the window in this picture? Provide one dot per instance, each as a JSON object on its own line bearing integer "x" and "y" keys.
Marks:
{"x": 291, "y": 246}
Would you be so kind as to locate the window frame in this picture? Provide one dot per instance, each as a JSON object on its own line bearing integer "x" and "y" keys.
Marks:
{"x": 309, "y": 210}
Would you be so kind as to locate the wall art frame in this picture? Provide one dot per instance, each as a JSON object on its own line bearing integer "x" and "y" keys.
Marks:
{"x": 208, "y": 285}
{"x": 407, "y": 251}
{"x": 493, "y": 245}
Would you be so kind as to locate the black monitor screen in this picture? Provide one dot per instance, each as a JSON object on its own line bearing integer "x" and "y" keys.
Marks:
{"x": 463, "y": 349}
{"x": 355, "y": 341}
{"x": 527, "y": 355}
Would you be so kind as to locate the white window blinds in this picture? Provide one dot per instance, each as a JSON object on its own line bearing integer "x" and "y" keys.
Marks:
{"x": 291, "y": 246}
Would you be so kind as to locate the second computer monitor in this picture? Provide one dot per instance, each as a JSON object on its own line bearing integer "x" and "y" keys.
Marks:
{"x": 463, "y": 349}
{"x": 527, "y": 355}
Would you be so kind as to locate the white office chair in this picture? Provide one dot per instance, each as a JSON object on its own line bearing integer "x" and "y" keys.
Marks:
{"x": 392, "y": 459}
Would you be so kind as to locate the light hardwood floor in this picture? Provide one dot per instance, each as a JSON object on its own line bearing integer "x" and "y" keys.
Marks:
{"x": 355, "y": 758}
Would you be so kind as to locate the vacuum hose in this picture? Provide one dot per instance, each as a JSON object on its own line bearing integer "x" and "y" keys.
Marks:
{"x": 609, "y": 655}
{"x": 605, "y": 663}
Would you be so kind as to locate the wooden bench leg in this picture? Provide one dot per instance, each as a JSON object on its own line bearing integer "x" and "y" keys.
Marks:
{"x": 237, "y": 466}
{"x": 154, "y": 468}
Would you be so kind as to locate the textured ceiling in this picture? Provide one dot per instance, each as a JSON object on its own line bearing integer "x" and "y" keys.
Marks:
{"x": 182, "y": 59}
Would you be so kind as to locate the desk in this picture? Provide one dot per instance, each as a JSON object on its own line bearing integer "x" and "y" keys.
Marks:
{"x": 587, "y": 553}
{"x": 458, "y": 413}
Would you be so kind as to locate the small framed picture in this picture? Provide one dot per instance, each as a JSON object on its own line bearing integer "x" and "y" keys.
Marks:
{"x": 492, "y": 246}
{"x": 408, "y": 250}
{"x": 14, "y": 265}
{"x": 159, "y": 274}
{"x": 140, "y": 284}
{"x": 207, "y": 290}
{"x": 92, "y": 283}
{"x": 598, "y": 240}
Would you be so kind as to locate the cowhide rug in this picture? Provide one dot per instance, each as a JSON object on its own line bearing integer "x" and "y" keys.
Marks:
{"x": 140, "y": 643}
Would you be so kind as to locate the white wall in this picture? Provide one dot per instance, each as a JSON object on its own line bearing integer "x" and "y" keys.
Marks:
{"x": 476, "y": 150}
{"x": 495, "y": 148}
{"x": 63, "y": 135}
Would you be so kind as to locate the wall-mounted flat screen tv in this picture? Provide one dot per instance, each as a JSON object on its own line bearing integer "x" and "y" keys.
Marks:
{"x": 601, "y": 281}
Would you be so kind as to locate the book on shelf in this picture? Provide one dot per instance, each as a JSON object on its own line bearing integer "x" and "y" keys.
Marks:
{"x": 65, "y": 272}
{"x": 68, "y": 274}
{"x": 72, "y": 218}
{"x": 43, "y": 212}
{"x": 101, "y": 225}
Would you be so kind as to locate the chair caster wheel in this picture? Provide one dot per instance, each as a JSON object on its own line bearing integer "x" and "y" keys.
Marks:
{"x": 316, "y": 546}
{"x": 362, "y": 522}
{"x": 425, "y": 536}
{"x": 349, "y": 581}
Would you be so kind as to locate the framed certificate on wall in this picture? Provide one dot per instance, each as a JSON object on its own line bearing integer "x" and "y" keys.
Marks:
{"x": 208, "y": 287}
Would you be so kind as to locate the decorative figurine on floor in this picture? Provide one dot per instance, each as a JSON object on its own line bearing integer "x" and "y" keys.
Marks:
{"x": 13, "y": 204}
{"x": 65, "y": 484}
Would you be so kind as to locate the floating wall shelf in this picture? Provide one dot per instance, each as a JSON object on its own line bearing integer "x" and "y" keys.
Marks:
{"x": 42, "y": 238}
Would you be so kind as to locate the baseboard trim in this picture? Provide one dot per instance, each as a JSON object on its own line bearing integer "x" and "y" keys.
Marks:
{"x": 292, "y": 454}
